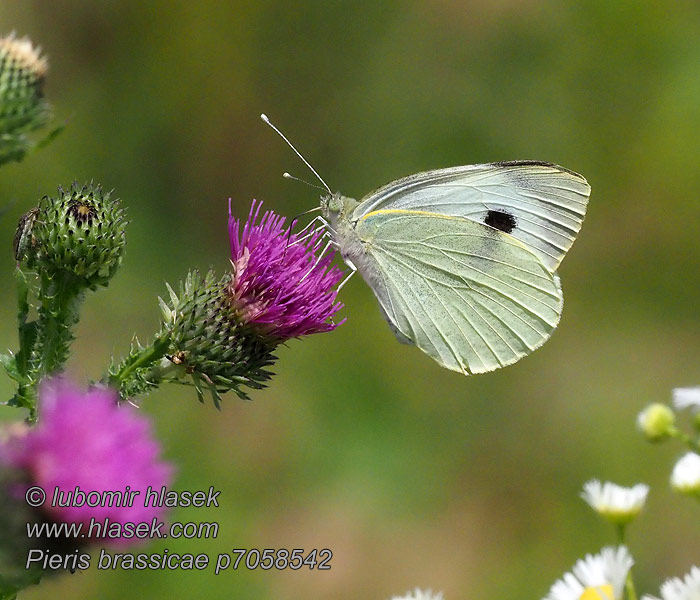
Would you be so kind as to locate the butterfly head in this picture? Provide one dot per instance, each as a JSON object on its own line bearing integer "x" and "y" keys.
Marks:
{"x": 337, "y": 208}
{"x": 331, "y": 204}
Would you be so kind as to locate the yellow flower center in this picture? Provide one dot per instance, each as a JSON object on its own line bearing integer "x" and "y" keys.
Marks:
{"x": 600, "y": 592}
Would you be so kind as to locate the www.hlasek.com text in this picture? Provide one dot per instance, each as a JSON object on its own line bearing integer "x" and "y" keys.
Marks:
{"x": 112, "y": 530}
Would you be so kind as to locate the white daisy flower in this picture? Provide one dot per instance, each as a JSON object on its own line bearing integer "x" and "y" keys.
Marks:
{"x": 687, "y": 398}
{"x": 614, "y": 502}
{"x": 676, "y": 588}
{"x": 685, "y": 477}
{"x": 419, "y": 595}
{"x": 599, "y": 577}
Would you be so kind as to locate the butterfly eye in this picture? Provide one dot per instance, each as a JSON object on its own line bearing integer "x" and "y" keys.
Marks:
{"x": 501, "y": 220}
{"x": 334, "y": 203}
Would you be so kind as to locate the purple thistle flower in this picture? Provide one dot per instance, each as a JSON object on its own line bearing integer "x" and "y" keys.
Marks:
{"x": 86, "y": 439}
{"x": 279, "y": 281}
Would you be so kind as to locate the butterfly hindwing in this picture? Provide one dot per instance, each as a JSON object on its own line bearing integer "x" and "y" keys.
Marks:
{"x": 472, "y": 297}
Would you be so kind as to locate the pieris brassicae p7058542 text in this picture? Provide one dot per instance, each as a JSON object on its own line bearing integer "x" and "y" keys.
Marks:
{"x": 463, "y": 260}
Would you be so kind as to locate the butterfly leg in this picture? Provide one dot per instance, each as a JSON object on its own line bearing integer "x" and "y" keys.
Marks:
{"x": 327, "y": 225}
{"x": 320, "y": 219}
{"x": 299, "y": 233}
{"x": 306, "y": 228}
{"x": 329, "y": 243}
{"x": 353, "y": 270}
{"x": 324, "y": 224}
{"x": 304, "y": 238}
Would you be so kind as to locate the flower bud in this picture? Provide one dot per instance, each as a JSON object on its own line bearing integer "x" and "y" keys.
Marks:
{"x": 81, "y": 232}
{"x": 656, "y": 422}
{"x": 210, "y": 341}
{"x": 22, "y": 106}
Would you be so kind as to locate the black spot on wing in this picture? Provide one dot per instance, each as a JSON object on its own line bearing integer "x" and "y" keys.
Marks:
{"x": 501, "y": 220}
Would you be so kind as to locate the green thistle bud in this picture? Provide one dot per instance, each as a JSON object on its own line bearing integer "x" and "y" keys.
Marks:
{"x": 80, "y": 233}
{"x": 656, "y": 422}
{"x": 22, "y": 106}
{"x": 210, "y": 342}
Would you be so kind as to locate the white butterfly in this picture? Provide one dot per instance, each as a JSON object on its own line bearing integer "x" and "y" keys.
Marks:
{"x": 463, "y": 260}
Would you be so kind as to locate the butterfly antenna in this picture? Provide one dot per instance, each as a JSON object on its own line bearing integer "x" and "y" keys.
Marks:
{"x": 306, "y": 162}
{"x": 289, "y": 176}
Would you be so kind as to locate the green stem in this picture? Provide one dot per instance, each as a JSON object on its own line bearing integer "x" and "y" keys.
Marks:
{"x": 679, "y": 435}
{"x": 629, "y": 587}
{"x": 164, "y": 369}
{"x": 19, "y": 366}
{"x": 22, "y": 302}
{"x": 148, "y": 356}
{"x": 629, "y": 582}
{"x": 620, "y": 533}
{"x": 60, "y": 298}
{"x": 137, "y": 369}
{"x": 44, "y": 343}
{"x": 26, "y": 397}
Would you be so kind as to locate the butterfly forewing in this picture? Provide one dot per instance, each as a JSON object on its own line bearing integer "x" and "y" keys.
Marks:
{"x": 540, "y": 204}
{"x": 470, "y": 296}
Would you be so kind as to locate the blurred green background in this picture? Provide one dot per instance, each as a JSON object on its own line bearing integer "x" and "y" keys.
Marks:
{"x": 412, "y": 475}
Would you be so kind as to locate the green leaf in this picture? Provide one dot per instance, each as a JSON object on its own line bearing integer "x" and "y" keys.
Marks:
{"x": 50, "y": 136}
{"x": 9, "y": 363}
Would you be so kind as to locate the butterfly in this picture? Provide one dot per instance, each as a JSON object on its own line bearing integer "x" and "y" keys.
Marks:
{"x": 463, "y": 260}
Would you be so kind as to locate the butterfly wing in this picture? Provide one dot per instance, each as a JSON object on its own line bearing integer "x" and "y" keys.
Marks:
{"x": 540, "y": 204}
{"x": 470, "y": 296}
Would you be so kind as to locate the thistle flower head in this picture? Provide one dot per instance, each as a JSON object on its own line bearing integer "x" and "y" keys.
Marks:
{"x": 24, "y": 57}
{"x": 676, "y": 588}
{"x": 613, "y": 502}
{"x": 597, "y": 577}
{"x": 281, "y": 284}
{"x": 223, "y": 332}
{"x": 80, "y": 232}
{"x": 86, "y": 439}
{"x": 22, "y": 106}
